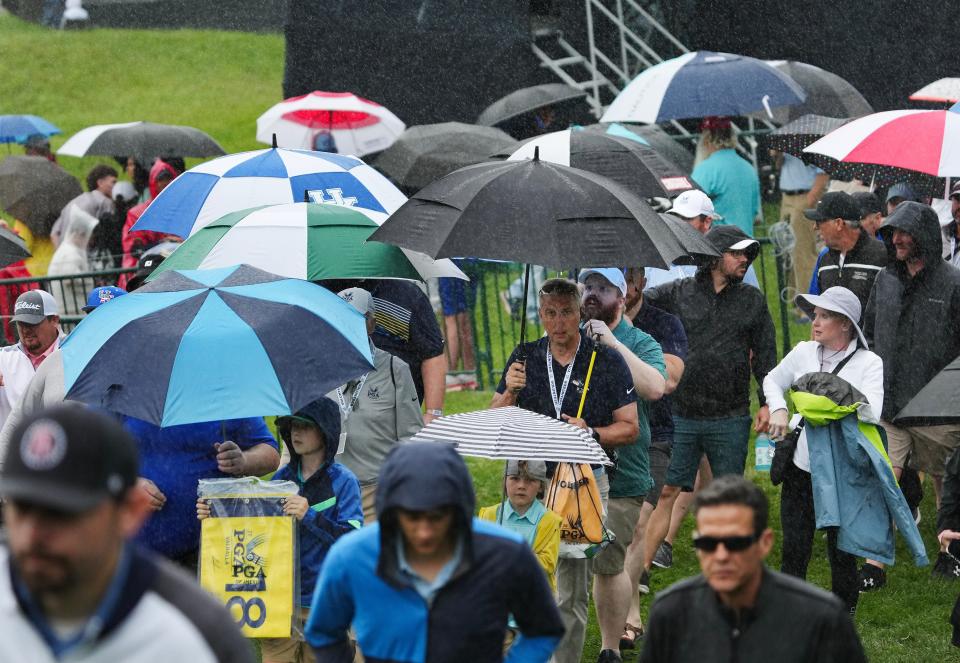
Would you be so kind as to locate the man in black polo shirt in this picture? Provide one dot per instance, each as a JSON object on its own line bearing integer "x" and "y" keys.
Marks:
{"x": 550, "y": 381}
{"x": 853, "y": 258}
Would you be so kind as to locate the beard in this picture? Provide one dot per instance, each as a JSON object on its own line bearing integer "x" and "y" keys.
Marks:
{"x": 595, "y": 310}
{"x": 43, "y": 573}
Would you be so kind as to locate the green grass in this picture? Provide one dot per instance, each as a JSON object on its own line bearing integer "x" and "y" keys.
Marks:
{"x": 220, "y": 82}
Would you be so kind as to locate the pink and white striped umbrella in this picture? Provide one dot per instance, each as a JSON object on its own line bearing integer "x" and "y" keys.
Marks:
{"x": 927, "y": 141}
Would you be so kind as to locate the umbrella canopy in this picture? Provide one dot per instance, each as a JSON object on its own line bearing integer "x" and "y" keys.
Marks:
{"x": 627, "y": 162}
{"x": 309, "y": 241}
{"x": 223, "y": 344}
{"x": 266, "y": 177}
{"x": 17, "y": 128}
{"x": 532, "y": 211}
{"x": 794, "y": 137}
{"x": 356, "y": 125}
{"x": 35, "y": 191}
{"x": 927, "y": 141}
{"x": 827, "y": 93}
{"x": 945, "y": 90}
{"x": 427, "y": 152}
{"x": 514, "y": 112}
{"x": 12, "y": 248}
{"x": 143, "y": 140}
{"x": 515, "y": 434}
{"x": 693, "y": 243}
{"x": 651, "y": 135}
{"x": 937, "y": 403}
{"x": 703, "y": 83}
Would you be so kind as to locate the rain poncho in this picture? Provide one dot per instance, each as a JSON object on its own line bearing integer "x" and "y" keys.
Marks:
{"x": 72, "y": 257}
{"x": 854, "y": 487}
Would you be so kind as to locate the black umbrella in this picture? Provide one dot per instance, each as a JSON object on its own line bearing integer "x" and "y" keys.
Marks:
{"x": 142, "y": 140}
{"x": 794, "y": 136}
{"x": 827, "y": 93}
{"x": 654, "y": 136}
{"x": 630, "y": 163}
{"x": 35, "y": 191}
{"x": 427, "y": 152}
{"x": 12, "y": 248}
{"x": 937, "y": 403}
{"x": 696, "y": 246}
{"x": 517, "y": 113}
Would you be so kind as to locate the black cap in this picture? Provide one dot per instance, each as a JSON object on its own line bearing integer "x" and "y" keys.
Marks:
{"x": 731, "y": 238}
{"x": 145, "y": 266}
{"x": 70, "y": 459}
{"x": 868, "y": 201}
{"x": 835, "y": 205}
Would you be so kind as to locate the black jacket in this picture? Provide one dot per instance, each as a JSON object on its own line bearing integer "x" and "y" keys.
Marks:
{"x": 860, "y": 267}
{"x": 792, "y": 622}
{"x": 913, "y": 323}
{"x": 722, "y": 329}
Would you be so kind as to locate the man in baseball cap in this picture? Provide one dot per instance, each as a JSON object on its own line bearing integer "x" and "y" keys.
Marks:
{"x": 70, "y": 578}
{"x": 696, "y": 208}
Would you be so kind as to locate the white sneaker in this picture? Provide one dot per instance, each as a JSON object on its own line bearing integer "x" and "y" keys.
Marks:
{"x": 76, "y": 14}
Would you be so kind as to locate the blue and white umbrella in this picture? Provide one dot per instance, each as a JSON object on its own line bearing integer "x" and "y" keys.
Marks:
{"x": 17, "y": 128}
{"x": 266, "y": 177}
{"x": 210, "y": 345}
{"x": 701, "y": 84}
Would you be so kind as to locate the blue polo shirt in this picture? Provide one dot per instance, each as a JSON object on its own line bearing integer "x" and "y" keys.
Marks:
{"x": 176, "y": 458}
{"x": 733, "y": 185}
{"x": 667, "y": 330}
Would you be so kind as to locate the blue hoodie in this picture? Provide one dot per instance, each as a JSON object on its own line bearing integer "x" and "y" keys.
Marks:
{"x": 497, "y": 575}
{"x": 333, "y": 493}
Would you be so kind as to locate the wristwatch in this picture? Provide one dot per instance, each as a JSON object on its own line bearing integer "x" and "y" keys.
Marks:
{"x": 435, "y": 413}
{"x": 595, "y": 434}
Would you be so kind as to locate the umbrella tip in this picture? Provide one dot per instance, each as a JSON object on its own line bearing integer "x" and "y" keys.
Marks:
{"x": 274, "y": 141}
{"x": 306, "y": 196}
{"x": 536, "y": 153}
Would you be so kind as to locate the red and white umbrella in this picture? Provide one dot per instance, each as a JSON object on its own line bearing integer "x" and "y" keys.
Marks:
{"x": 927, "y": 141}
{"x": 330, "y": 122}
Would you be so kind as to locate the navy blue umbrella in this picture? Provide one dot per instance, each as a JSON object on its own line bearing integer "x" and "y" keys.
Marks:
{"x": 209, "y": 345}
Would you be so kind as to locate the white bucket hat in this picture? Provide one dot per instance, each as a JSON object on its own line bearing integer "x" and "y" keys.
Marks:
{"x": 838, "y": 300}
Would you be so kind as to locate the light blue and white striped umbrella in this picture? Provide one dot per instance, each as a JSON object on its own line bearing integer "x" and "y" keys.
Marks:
{"x": 701, "y": 84}
{"x": 266, "y": 177}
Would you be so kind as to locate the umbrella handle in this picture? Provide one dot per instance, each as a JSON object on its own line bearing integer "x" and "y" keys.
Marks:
{"x": 586, "y": 383}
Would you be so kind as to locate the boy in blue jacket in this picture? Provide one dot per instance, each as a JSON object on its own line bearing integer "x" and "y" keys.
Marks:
{"x": 327, "y": 507}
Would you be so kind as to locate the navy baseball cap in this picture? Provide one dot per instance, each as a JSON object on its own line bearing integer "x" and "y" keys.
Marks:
{"x": 102, "y": 295}
{"x": 835, "y": 205}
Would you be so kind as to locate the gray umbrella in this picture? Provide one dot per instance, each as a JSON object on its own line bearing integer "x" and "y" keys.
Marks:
{"x": 427, "y": 152}
{"x": 654, "y": 136}
{"x": 827, "y": 93}
{"x": 143, "y": 140}
{"x": 696, "y": 246}
{"x": 937, "y": 403}
{"x": 514, "y": 113}
{"x": 35, "y": 191}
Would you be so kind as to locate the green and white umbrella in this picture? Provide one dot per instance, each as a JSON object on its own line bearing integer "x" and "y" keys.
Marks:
{"x": 310, "y": 241}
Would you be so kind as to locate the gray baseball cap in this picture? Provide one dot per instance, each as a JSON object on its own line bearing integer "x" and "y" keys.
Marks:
{"x": 33, "y": 306}
{"x": 535, "y": 469}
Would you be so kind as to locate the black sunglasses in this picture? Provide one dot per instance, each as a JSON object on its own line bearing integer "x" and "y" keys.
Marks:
{"x": 731, "y": 543}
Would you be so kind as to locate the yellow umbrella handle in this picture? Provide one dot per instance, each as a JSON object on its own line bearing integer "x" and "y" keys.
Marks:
{"x": 586, "y": 384}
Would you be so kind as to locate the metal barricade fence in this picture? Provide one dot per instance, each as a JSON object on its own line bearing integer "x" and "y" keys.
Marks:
{"x": 70, "y": 291}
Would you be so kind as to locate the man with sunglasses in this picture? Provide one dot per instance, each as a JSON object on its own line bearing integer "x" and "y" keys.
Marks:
{"x": 737, "y": 609}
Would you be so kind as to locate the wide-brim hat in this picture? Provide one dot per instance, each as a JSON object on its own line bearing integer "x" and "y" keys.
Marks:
{"x": 838, "y": 300}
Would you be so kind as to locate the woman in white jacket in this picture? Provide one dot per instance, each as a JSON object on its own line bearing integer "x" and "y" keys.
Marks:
{"x": 836, "y": 338}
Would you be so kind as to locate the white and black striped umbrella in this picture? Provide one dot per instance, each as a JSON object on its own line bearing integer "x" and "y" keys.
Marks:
{"x": 514, "y": 433}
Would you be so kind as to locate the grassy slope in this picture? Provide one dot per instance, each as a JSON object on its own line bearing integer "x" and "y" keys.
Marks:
{"x": 221, "y": 82}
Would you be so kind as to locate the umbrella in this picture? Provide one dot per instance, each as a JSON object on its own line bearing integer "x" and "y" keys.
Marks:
{"x": 654, "y": 136}
{"x": 427, "y": 152}
{"x": 12, "y": 248}
{"x": 703, "y": 83}
{"x": 514, "y": 433}
{"x": 223, "y": 344}
{"x": 945, "y": 90}
{"x": 827, "y": 93}
{"x": 17, "y": 128}
{"x": 143, "y": 140}
{"x": 693, "y": 242}
{"x": 927, "y": 141}
{"x": 35, "y": 191}
{"x": 356, "y": 125}
{"x": 266, "y": 177}
{"x": 309, "y": 241}
{"x": 532, "y": 211}
{"x": 515, "y": 112}
{"x": 629, "y": 163}
{"x": 794, "y": 137}
{"x": 938, "y": 403}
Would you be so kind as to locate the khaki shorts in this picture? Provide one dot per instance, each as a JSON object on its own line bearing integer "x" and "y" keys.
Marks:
{"x": 927, "y": 447}
{"x": 622, "y": 516}
{"x": 287, "y": 650}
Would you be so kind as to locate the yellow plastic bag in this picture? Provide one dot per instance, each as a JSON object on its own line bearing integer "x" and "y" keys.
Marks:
{"x": 574, "y": 495}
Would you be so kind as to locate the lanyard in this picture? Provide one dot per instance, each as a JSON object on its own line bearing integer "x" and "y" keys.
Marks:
{"x": 347, "y": 409}
{"x": 558, "y": 400}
